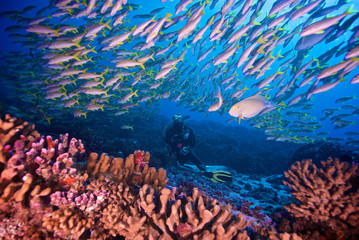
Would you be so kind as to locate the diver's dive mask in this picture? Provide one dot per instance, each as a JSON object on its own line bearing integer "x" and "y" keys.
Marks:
{"x": 177, "y": 118}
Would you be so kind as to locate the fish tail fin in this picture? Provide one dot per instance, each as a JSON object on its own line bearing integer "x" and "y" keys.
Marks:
{"x": 103, "y": 74}
{"x": 101, "y": 82}
{"x": 279, "y": 72}
{"x": 211, "y": 21}
{"x": 142, "y": 66}
{"x": 77, "y": 43}
{"x": 48, "y": 119}
{"x": 56, "y": 32}
{"x": 278, "y": 54}
{"x": 260, "y": 40}
{"x": 271, "y": 55}
{"x": 76, "y": 56}
{"x": 93, "y": 50}
{"x": 105, "y": 92}
{"x": 261, "y": 49}
{"x": 167, "y": 16}
{"x": 255, "y": 23}
{"x": 342, "y": 78}
{"x": 350, "y": 10}
{"x": 107, "y": 24}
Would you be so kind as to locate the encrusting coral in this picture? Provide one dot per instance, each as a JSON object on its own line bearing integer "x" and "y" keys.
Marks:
{"x": 43, "y": 196}
{"x": 326, "y": 197}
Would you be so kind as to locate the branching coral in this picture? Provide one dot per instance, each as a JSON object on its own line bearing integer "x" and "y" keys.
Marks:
{"x": 113, "y": 198}
{"x": 32, "y": 167}
{"x": 325, "y": 195}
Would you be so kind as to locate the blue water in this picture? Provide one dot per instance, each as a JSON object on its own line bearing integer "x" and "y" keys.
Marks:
{"x": 167, "y": 107}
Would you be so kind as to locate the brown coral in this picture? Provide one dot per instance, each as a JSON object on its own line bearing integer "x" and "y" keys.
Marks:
{"x": 129, "y": 171}
{"x": 67, "y": 221}
{"x": 325, "y": 195}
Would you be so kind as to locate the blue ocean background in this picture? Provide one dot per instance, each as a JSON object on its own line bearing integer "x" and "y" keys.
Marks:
{"x": 255, "y": 152}
{"x": 167, "y": 108}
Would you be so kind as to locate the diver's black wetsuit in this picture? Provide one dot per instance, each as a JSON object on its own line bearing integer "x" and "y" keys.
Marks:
{"x": 179, "y": 135}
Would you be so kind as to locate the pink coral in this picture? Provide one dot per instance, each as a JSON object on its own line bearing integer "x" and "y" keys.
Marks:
{"x": 183, "y": 230}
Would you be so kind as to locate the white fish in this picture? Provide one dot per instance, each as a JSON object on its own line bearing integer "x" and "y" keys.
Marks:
{"x": 139, "y": 29}
{"x": 318, "y": 27}
{"x": 164, "y": 72}
{"x": 117, "y": 6}
{"x": 189, "y": 27}
{"x": 118, "y": 40}
{"x": 223, "y": 56}
{"x": 333, "y": 69}
{"x": 248, "y": 107}
{"x": 327, "y": 86}
{"x": 156, "y": 29}
{"x": 355, "y": 79}
{"x": 353, "y": 53}
{"x": 106, "y": 5}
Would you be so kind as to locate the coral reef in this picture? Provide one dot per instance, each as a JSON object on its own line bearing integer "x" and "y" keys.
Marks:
{"x": 327, "y": 201}
{"x": 133, "y": 171}
{"x": 46, "y": 192}
{"x": 44, "y": 196}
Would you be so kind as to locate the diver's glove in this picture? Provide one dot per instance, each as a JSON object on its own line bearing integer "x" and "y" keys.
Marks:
{"x": 185, "y": 150}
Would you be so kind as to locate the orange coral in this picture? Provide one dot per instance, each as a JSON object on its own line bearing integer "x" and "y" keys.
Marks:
{"x": 128, "y": 171}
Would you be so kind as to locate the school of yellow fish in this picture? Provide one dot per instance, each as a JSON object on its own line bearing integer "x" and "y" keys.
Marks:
{"x": 261, "y": 61}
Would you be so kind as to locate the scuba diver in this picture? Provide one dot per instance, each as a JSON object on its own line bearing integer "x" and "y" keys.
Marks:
{"x": 181, "y": 140}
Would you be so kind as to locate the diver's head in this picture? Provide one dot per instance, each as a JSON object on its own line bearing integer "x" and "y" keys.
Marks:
{"x": 177, "y": 120}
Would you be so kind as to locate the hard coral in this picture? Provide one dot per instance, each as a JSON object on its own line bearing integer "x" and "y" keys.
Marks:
{"x": 115, "y": 198}
{"x": 31, "y": 168}
{"x": 133, "y": 171}
{"x": 325, "y": 196}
